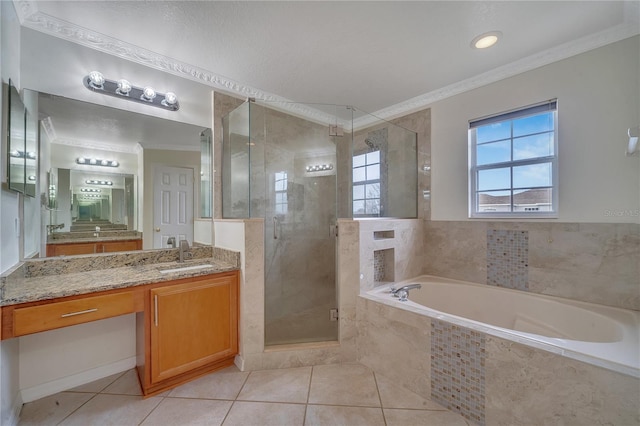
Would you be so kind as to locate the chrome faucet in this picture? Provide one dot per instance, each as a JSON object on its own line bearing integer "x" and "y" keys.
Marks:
{"x": 184, "y": 250}
{"x": 402, "y": 293}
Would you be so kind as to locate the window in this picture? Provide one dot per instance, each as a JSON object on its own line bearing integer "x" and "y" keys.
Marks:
{"x": 281, "y": 206}
{"x": 366, "y": 184}
{"x": 513, "y": 163}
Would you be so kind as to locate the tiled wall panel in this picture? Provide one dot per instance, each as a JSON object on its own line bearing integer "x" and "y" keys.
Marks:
{"x": 508, "y": 258}
{"x": 458, "y": 369}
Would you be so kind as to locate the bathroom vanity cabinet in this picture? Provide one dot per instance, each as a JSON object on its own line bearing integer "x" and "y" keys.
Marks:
{"x": 192, "y": 329}
{"x": 69, "y": 249}
{"x": 185, "y": 327}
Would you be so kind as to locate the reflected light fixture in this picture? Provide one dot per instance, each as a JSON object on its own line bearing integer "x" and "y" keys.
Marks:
{"x": 98, "y": 182}
{"x": 486, "y": 40}
{"x": 319, "y": 168}
{"x": 97, "y": 162}
{"x": 22, "y": 154}
{"x": 96, "y": 82}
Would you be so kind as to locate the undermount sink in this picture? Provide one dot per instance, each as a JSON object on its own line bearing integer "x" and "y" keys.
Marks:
{"x": 185, "y": 268}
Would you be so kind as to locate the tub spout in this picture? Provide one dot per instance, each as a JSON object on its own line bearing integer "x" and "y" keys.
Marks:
{"x": 403, "y": 292}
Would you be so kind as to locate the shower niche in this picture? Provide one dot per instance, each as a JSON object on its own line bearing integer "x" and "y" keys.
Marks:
{"x": 287, "y": 165}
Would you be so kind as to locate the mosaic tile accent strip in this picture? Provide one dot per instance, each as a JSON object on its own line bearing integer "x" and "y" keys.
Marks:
{"x": 458, "y": 369}
{"x": 378, "y": 266}
{"x": 508, "y": 258}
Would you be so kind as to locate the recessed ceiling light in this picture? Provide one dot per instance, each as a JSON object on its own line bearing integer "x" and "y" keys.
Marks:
{"x": 486, "y": 40}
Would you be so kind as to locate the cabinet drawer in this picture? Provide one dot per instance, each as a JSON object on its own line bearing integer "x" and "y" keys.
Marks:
{"x": 62, "y": 314}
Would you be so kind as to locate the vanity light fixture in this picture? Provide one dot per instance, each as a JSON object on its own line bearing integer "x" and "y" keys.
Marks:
{"x": 319, "y": 168}
{"x": 98, "y": 182}
{"x": 96, "y": 82}
{"x": 486, "y": 40}
{"x": 97, "y": 162}
{"x": 90, "y": 190}
{"x": 22, "y": 154}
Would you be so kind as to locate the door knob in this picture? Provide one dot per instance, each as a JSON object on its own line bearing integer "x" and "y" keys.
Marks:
{"x": 157, "y": 229}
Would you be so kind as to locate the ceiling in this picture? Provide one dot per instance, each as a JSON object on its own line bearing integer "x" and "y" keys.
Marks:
{"x": 385, "y": 57}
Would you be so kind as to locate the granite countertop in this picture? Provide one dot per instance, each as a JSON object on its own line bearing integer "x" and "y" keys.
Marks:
{"x": 51, "y": 278}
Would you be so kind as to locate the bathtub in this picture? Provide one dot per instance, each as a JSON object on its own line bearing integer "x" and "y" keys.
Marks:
{"x": 600, "y": 335}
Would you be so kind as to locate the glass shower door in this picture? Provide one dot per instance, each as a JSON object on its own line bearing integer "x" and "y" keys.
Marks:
{"x": 300, "y": 184}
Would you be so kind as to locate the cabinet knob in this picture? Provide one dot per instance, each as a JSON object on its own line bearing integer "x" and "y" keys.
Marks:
{"x": 157, "y": 229}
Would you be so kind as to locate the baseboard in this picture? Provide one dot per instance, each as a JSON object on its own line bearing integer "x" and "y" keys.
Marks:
{"x": 239, "y": 362}
{"x": 14, "y": 416}
{"x": 40, "y": 391}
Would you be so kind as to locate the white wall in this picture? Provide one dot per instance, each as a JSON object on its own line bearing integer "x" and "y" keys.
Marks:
{"x": 598, "y": 96}
{"x": 9, "y": 242}
{"x": 203, "y": 231}
{"x": 61, "y": 359}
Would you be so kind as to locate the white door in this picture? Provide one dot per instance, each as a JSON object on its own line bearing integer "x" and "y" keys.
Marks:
{"x": 172, "y": 205}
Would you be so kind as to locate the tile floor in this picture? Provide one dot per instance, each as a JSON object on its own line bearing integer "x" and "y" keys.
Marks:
{"x": 347, "y": 394}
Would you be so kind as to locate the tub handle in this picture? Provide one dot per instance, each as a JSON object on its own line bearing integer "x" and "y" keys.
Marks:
{"x": 403, "y": 295}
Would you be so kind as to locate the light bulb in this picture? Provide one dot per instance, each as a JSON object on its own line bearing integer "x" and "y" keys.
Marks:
{"x": 80, "y": 160}
{"x": 96, "y": 79}
{"x": 148, "y": 93}
{"x": 124, "y": 87}
{"x": 114, "y": 164}
{"x": 170, "y": 98}
{"x": 93, "y": 161}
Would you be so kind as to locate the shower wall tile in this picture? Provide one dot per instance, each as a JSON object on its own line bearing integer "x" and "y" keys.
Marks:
{"x": 420, "y": 122}
{"x": 591, "y": 262}
{"x": 507, "y": 258}
{"x": 458, "y": 369}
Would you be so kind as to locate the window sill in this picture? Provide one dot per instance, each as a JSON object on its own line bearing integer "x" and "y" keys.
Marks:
{"x": 547, "y": 215}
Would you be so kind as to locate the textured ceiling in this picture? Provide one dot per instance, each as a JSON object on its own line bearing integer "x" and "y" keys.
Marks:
{"x": 383, "y": 57}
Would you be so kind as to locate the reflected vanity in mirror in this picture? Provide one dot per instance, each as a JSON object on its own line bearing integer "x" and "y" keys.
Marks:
{"x": 98, "y": 159}
{"x": 91, "y": 213}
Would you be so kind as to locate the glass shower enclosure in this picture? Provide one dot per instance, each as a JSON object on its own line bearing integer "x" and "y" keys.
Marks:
{"x": 300, "y": 167}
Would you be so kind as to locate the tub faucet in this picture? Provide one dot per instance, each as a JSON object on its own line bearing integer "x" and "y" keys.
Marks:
{"x": 184, "y": 250}
{"x": 402, "y": 293}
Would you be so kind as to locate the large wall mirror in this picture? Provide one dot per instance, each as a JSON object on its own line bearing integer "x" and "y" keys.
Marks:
{"x": 81, "y": 192}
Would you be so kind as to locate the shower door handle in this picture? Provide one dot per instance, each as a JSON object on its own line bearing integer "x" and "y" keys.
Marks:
{"x": 275, "y": 228}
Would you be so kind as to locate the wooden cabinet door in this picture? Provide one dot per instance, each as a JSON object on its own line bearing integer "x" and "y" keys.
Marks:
{"x": 193, "y": 324}
{"x": 70, "y": 249}
{"x": 113, "y": 246}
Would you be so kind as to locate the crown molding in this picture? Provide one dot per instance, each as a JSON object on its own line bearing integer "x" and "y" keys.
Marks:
{"x": 47, "y": 124}
{"x": 31, "y": 18}
{"x": 167, "y": 147}
{"x": 555, "y": 54}
{"x": 95, "y": 145}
